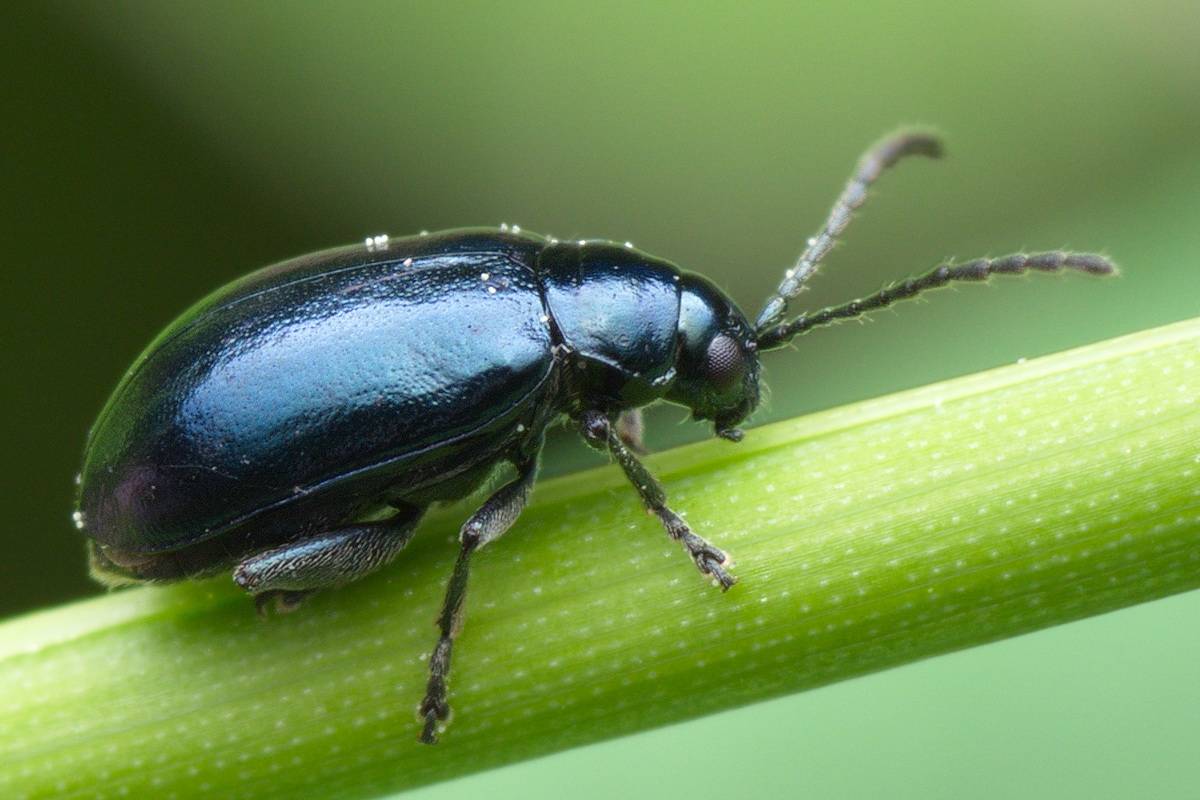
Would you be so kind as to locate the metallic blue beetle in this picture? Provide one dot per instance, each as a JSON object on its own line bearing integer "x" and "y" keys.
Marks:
{"x": 263, "y": 427}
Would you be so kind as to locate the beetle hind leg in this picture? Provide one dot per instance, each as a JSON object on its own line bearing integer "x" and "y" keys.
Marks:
{"x": 283, "y": 576}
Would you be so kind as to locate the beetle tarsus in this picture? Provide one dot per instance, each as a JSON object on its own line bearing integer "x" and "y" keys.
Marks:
{"x": 710, "y": 560}
{"x": 435, "y": 708}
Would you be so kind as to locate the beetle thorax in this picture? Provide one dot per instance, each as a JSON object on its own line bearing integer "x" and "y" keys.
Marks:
{"x": 615, "y": 314}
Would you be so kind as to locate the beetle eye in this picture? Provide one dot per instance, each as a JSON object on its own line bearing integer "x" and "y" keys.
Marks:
{"x": 724, "y": 363}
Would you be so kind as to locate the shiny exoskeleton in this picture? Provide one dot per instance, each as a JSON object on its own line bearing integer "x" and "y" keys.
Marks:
{"x": 266, "y": 426}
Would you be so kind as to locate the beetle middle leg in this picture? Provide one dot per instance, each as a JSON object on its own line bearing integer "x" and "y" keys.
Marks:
{"x": 710, "y": 560}
{"x": 490, "y": 522}
{"x": 285, "y": 575}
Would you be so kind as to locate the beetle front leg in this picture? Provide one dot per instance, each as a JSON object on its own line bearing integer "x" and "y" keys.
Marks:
{"x": 710, "y": 560}
{"x": 287, "y": 574}
{"x": 490, "y": 522}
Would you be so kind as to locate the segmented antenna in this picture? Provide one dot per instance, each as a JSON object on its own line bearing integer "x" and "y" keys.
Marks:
{"x": 873, "y": 163}
{"x": 979, "y": 269}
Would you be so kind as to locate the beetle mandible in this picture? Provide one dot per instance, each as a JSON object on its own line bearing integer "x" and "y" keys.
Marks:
{"x": 263, "y": 427}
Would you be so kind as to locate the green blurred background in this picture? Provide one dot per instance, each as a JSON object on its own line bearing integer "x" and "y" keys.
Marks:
{"x": 153, "y": 151}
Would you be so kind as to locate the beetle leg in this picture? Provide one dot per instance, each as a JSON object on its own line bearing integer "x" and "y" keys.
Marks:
{"x": 285, "y": 575}
{"x": 631, "y": 427}
{"x": 490, "y": 522}
{"x": 710, "y": 560}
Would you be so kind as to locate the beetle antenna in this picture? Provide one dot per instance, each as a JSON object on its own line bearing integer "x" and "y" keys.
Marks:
{"x": 979, "y": 269}
{"x": 874, "y": 162}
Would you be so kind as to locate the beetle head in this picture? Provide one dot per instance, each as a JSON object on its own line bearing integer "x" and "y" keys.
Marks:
{"x": 717, "y": 361}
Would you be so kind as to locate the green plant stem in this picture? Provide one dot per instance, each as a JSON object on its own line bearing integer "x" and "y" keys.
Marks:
{"x": 865, "y": 537}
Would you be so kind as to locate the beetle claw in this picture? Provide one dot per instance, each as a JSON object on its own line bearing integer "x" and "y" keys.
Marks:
{"x": 435, "y": 711}
{"x": 710, "y": 560}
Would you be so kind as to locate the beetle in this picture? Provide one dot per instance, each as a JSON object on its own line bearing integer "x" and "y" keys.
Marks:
{"x": 267, "y": 428}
